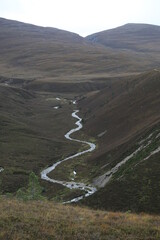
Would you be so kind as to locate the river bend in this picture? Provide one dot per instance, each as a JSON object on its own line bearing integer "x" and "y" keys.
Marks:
{"x": 89, "y": 189}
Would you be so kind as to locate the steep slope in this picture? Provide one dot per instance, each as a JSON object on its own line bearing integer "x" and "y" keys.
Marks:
{"x": 123, "y": 108}
{"x": 125, "y": 120}
{"x": 136, "y": 37}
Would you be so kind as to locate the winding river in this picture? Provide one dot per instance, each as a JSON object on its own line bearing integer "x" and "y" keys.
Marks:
{"x": 89, "y": 190}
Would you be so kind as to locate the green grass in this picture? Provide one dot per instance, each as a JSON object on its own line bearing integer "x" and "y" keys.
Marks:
{"x": 139, "y": 157}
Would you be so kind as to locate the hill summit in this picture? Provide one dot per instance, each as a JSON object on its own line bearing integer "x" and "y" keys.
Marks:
{"x": 31, "y": 51}
{"x": 131, "y": 36}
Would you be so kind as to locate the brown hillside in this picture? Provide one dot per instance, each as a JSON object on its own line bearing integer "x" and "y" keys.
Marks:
{"x": 120, "y": 117}
{"x": 136, "y": 37}
{"x": 31, "y": 135}
{"x": 48, "y": 220}
{"x": 30, "y": 51}
{"x": 123, "y": 109}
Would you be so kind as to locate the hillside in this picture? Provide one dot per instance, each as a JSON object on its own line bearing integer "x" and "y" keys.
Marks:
{"x": 31, "y": 135}
{"x": 120, "y": 117}
{"x": 46, "y": 51}
{"x": 143, "y": 38}
{"x": 123, "y": 108}
{"x": 42, "y": 72}
{"x": 53, "y": 55}
{"x": 117, "y": 118}
{"x": 48, "y": 220}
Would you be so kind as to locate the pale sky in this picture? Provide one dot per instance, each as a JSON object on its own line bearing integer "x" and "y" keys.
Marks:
{"x": 82, "y": 16}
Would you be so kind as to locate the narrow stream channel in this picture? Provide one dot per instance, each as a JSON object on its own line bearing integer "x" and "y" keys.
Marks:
{"x": 72, "y": 185}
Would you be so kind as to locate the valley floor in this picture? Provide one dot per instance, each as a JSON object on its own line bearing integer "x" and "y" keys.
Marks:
{"x": 48, "y": 220}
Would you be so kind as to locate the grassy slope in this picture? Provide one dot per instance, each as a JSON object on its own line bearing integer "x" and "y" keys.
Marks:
{"x": 31, "y": 135}
{"x": 135, "y": 186}
{"x": 128, "y": 115}
{"x": 135, "y": 37}
{"x": 37, "y": 52}
{"x": 47, "y": 220}
{"x": 140, "y": 40}
{"x": 124, "y": 108}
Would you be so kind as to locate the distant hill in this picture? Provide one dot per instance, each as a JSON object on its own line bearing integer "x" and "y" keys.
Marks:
{"x": 135, "y": 37}
{"x": 29, "y": 51}
{"x": 31, "y": 48}
{"x": 35, "y": 51}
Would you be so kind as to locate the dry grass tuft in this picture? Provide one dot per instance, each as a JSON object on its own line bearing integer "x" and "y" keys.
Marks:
{"x": 48, "y": 220}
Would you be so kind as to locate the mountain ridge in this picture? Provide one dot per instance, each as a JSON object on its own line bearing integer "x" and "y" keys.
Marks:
{"x": 133, "y": 36}
{"x": 39, "y": 52}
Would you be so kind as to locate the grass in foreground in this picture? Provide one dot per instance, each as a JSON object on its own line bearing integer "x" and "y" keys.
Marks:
{"x": 48, "y": 220}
